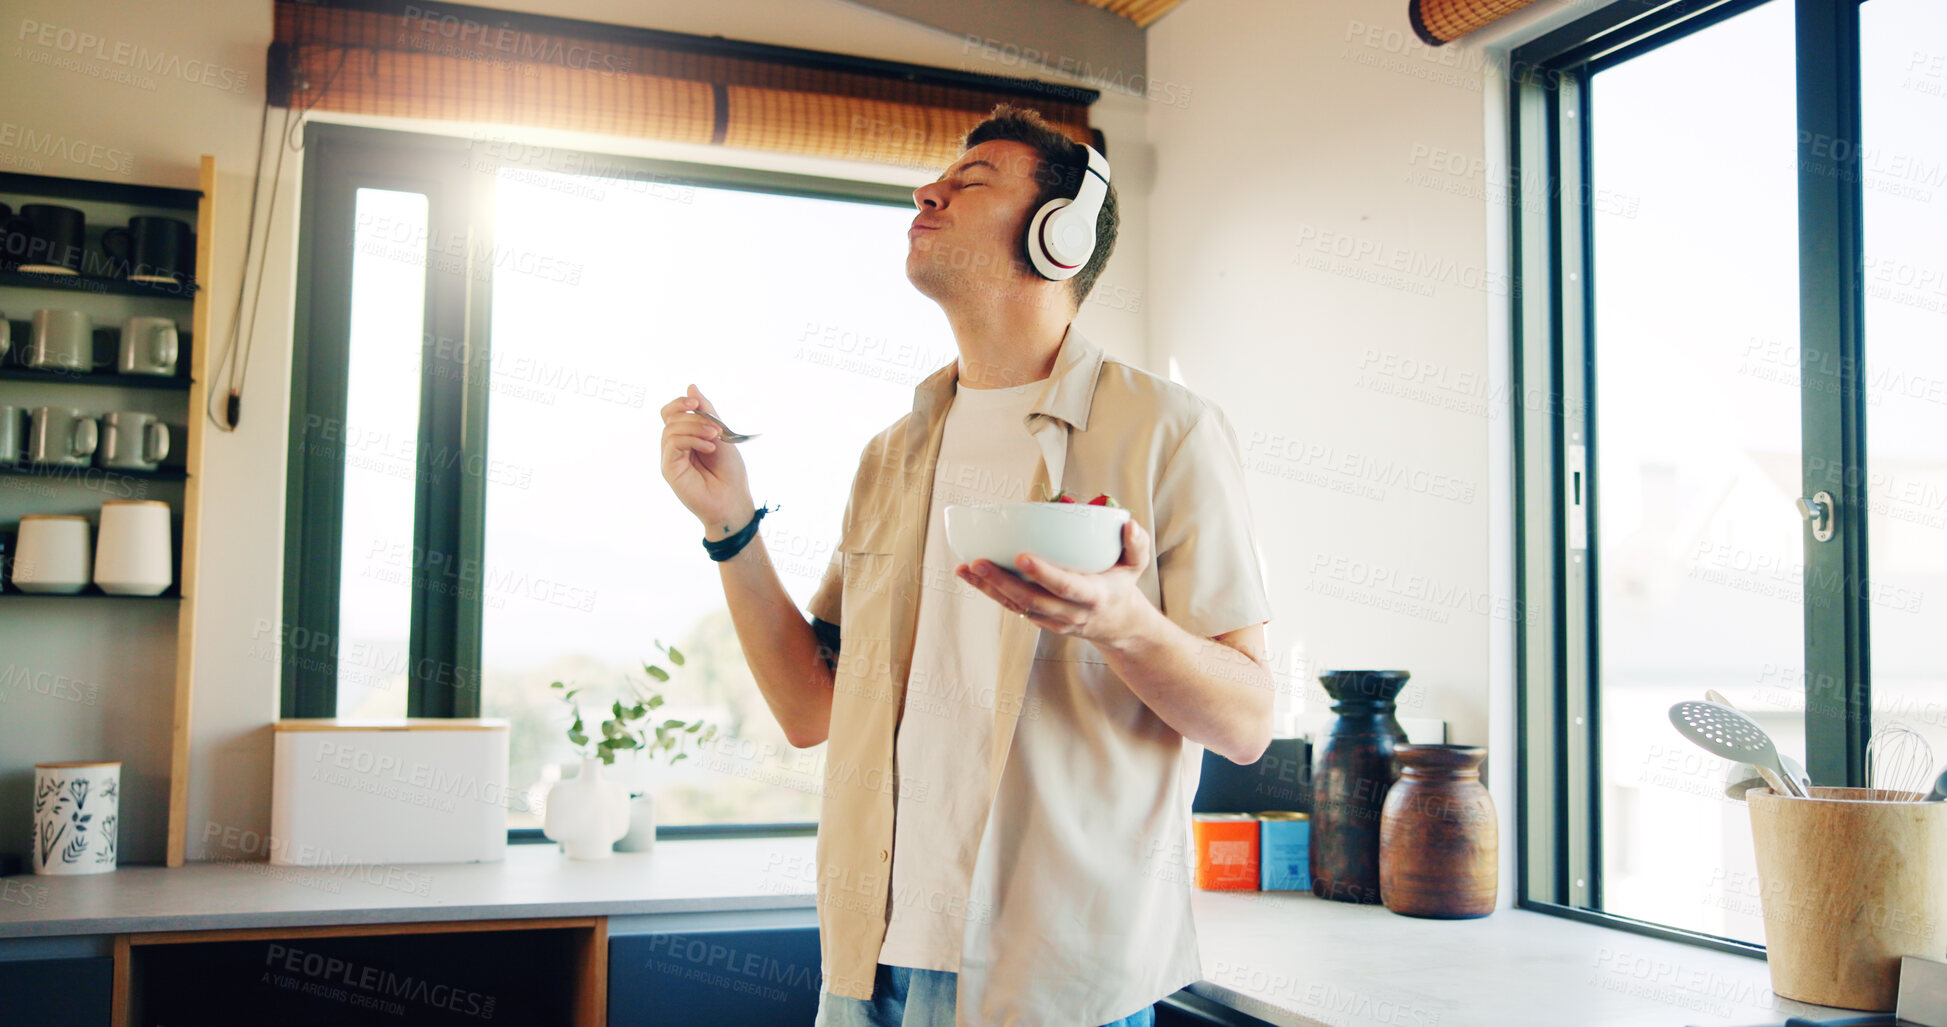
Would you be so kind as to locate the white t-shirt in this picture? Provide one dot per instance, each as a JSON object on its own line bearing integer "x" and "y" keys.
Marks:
{"x": 986, "y": 456}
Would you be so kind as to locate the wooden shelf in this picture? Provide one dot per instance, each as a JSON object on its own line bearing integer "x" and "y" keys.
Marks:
{"x": 93, "y": 471}
{"x": 91, "y": 592}
{"x": 191, "y": 379}
{"x": 51, "y": 187}
{"x": 97, "y": 284}
{"x": 171, "y": 383}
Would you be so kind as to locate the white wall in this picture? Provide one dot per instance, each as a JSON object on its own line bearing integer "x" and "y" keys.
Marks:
{"x": 165, "y": 127}
{"x": 1303, "y": 278}
{"x": 1329, "y": 263}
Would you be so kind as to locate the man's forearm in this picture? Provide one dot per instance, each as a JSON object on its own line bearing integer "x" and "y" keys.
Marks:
{"x": 1211, "y": 693}
{"x": 779, "y": 645}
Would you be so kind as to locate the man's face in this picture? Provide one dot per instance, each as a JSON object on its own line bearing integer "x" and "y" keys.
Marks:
{"x": 968, "y": 230}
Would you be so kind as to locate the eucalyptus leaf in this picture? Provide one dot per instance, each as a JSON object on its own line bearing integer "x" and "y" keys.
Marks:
{"x": 675, "y": 656}
{"x": 655, "y": 701}
{"x": 680, "y": 757}
{"x": 657, "y": 672}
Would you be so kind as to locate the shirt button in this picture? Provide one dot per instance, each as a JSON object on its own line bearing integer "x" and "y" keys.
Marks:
{"x": 883, "y": 855}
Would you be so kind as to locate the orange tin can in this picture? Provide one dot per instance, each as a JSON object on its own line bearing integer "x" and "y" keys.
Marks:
{"x": 1227, "y": 851}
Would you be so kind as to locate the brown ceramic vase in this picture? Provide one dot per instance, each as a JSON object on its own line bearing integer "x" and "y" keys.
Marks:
{"x": 1438, "y": 839}
{"x": 1355, "y": 768}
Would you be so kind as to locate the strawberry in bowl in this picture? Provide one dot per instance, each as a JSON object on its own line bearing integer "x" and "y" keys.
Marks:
{"x": 1101, "y": 499}
{"x": 1067, "y": 531}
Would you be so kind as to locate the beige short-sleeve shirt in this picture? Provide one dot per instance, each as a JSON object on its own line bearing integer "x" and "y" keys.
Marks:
{"x": 1082, "y": 856}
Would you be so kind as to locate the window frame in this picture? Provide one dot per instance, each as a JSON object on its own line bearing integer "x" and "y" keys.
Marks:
{"x": 449, "y": 514}
{"x": 1559, "y": 816}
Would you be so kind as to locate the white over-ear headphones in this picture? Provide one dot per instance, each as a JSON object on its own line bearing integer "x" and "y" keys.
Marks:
{"x": 1061, "y": 235}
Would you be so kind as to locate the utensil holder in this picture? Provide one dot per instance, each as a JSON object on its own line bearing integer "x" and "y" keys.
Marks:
{"x": 1851, "y": 880}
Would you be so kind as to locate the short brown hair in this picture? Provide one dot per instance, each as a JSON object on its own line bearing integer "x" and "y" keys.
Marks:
{"x": 1059, "y": 169}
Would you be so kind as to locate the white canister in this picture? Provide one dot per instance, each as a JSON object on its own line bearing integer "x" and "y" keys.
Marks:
{"x": 133, "y": 555}
{"x": 52, "y": 554}
{"x": 75, "y": 812}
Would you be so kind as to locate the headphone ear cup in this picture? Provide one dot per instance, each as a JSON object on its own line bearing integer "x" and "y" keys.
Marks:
{"x": 1058, "y": 245}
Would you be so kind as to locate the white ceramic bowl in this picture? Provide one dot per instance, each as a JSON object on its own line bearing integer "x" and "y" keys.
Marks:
{"x": 1076, "y": 536}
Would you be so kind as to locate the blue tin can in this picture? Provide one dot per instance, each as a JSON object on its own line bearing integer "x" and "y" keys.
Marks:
{"x": 1284, "y": 851}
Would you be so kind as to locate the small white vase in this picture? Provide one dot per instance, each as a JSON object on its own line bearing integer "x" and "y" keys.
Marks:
{"x": 642, "y": 825}
{"x": 588, "y": 813}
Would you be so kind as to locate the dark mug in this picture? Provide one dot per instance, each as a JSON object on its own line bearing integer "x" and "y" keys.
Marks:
{"x": 45, "y": 238}
{"x": 151, "y": 249}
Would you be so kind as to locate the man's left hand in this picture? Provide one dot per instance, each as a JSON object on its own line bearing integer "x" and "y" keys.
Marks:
{"x": 1101, "y": 608}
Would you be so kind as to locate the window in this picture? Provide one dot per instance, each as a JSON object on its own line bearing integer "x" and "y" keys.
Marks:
{"x": 537, "y": 540}
{"x": 1740, "y": 211}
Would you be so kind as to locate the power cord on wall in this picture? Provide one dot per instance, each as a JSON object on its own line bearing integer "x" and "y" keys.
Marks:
{"x": 236, "y": 356}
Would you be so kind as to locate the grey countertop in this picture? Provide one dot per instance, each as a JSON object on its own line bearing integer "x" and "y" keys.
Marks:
{"x": 1300, "y": 961}
{"x": 533, "y": 881}
{"x": 1291, "y": 959}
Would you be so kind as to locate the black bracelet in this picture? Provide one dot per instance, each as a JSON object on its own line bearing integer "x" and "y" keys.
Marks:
{"x": 725, "y": 548}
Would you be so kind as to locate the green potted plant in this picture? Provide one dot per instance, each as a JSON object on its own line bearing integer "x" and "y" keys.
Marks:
{"x": 591, "y": 816}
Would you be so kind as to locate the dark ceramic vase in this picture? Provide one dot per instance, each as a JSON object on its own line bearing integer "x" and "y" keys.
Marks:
{"x": 1355, "y": 768}
{"x": 1438, "y": 839}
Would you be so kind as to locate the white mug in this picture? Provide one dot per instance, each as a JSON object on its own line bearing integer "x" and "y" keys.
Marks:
{"x": 132, "y": 549}
{"x": 148, "y": 346}
{"x": 76, "y": 806}
{"x": 13, "y": 435}
{"x": 52, "y": 554}
{"x": 63, "y": 340}
{"x": 131, "y": 440}
{"x": 61, "y": 435}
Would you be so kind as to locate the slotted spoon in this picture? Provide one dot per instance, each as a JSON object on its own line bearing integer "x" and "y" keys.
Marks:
{"x": 1729, "y": 734}
{"x": 1743, "y": 776}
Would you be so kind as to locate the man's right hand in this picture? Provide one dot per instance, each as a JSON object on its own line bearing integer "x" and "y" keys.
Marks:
{"x": 706, "y": 474}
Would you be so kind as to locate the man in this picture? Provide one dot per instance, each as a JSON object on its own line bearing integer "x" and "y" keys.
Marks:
{"x": 1007, "y": 784}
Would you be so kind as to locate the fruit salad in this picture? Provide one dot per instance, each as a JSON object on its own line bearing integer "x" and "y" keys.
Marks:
{"x": 1104, "y": 499}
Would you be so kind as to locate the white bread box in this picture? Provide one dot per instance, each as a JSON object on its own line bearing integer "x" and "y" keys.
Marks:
{"x": 413, "y": 790}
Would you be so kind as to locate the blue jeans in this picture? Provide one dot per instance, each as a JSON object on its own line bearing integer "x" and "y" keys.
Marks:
{"x": 903, "y": 997}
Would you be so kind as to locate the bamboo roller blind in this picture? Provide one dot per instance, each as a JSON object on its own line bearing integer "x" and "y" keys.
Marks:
{"x": 1442, "y": 21}
{"x": 439, "y": 63}
{"x": 1142, "y": 12}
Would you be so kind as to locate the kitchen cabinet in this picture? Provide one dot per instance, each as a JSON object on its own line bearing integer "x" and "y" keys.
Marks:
{"x": 748, "y": 976}
{"x": 71, "y": 992}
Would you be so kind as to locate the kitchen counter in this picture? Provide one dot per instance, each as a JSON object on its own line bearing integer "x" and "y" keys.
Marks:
{"x": 716, "y": 875}
{"x": 1299, "y": 961}
{"x": 1290, "y": 959}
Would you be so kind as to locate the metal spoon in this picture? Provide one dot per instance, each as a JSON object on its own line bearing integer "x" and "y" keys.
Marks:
{"x": 729, "y": 435}
{"x": 1729, "y": 734}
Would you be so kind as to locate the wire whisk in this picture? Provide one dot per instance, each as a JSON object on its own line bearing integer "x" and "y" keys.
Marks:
{"x": 1898, "y": 759}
